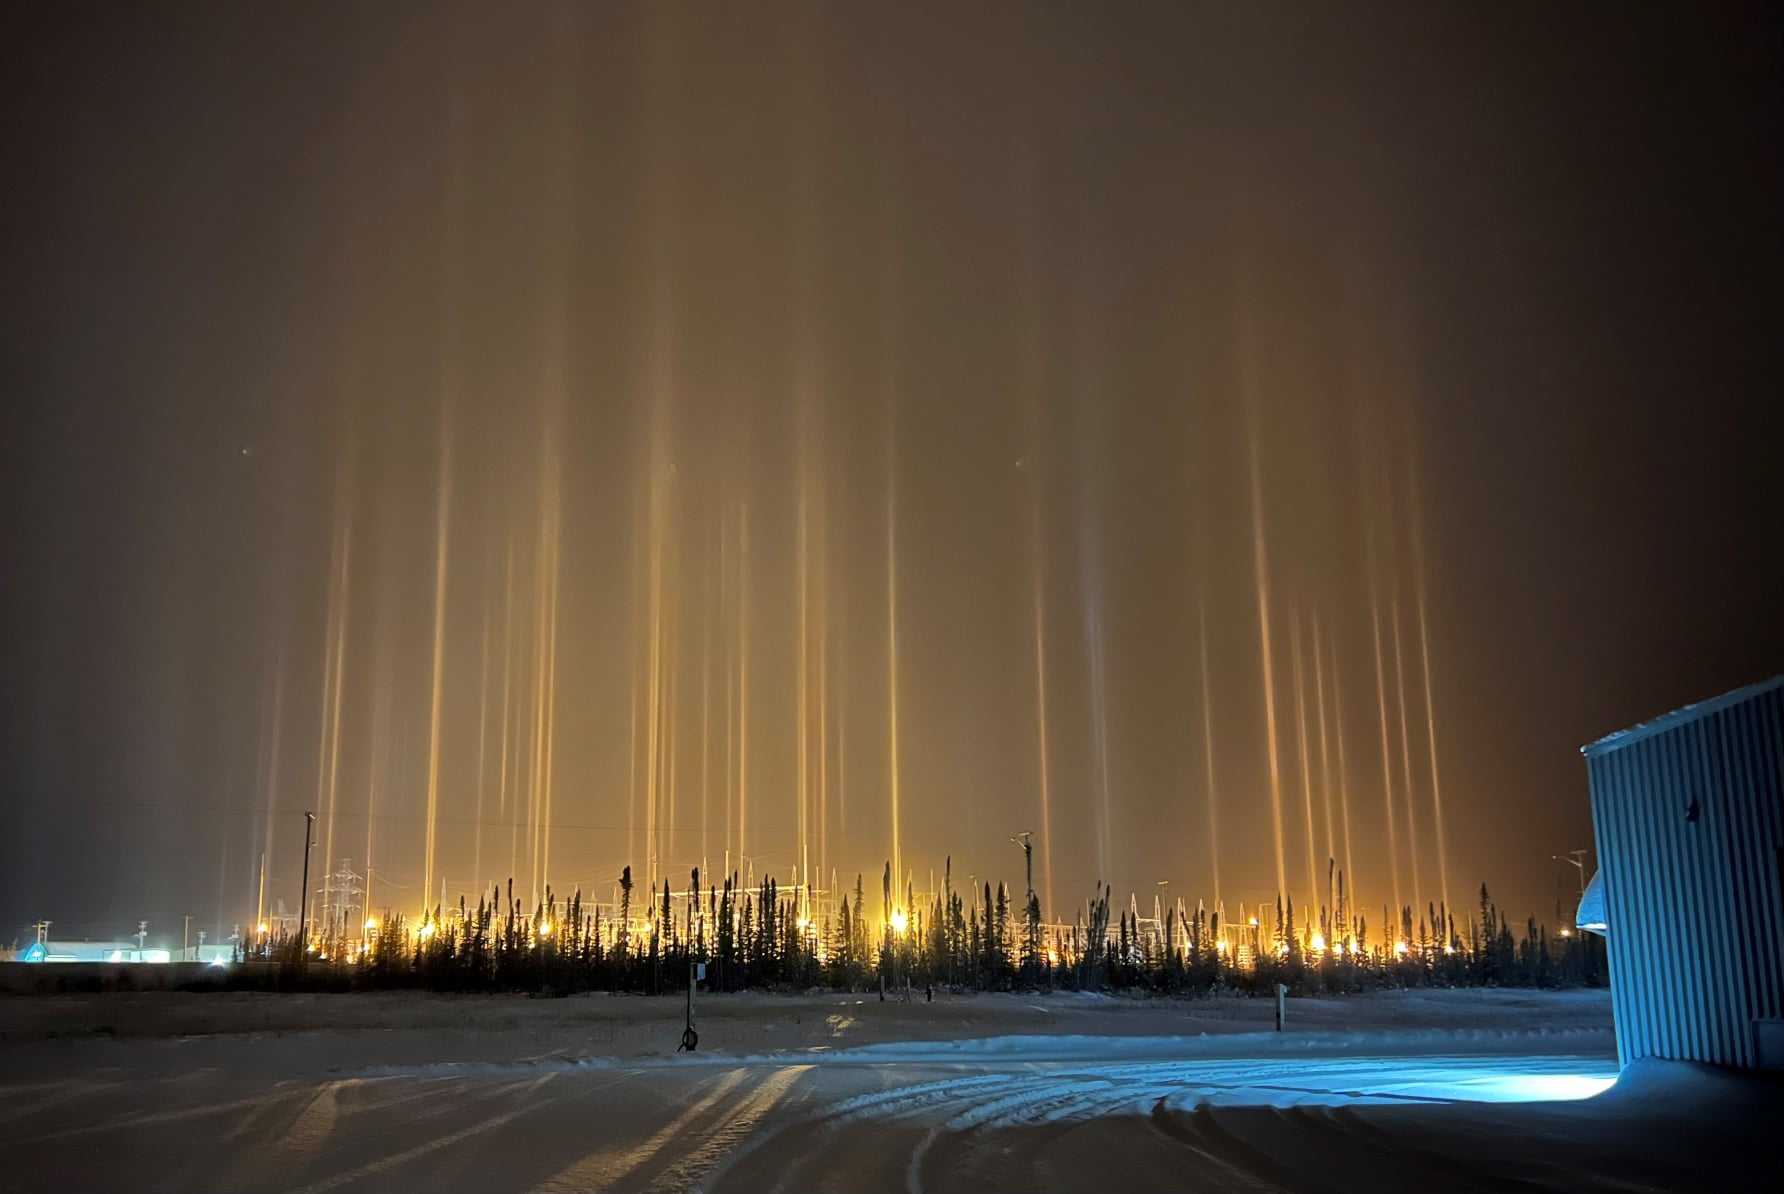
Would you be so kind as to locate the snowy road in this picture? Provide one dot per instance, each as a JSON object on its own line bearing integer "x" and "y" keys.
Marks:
{"x": 1421, "y": 1109}
{"x": 882, "y": 1123}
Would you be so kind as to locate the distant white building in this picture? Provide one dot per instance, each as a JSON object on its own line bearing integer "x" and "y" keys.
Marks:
{"x": 91, "y": 951}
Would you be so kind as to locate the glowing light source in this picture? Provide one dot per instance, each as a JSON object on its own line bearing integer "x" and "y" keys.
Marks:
{"x": 899, "y": 922}
{"x": 1399, "y": 949}
{"x": 1254, "y": 922}
{"x": 545, "y": 929}
{"x": 427, "y": 930}
{"x": 263, "y": 928}
{"x": 804, "y": 922}
{"x": 371, "y": 924}
{"x": 1319, "y": 943}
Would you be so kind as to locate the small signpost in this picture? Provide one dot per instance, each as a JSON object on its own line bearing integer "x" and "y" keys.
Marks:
{"x": 690, "y": 1039}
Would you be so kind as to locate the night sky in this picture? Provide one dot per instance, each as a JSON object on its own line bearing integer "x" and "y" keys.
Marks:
{"x": 551, "y": 433}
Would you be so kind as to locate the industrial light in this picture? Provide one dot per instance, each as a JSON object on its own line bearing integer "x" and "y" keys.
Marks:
{"x": 371, "y": 924}
{"x": 898, "y": 922}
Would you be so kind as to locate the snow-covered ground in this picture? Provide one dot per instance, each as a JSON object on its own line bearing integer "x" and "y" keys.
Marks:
{"x": 1421, "y": 1091}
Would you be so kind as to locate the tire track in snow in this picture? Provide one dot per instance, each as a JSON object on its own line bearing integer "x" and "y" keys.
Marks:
{"x": 392, "y": 1160}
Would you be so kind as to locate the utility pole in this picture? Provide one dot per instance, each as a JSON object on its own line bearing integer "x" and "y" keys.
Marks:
{"x": 303, "y": 899}
{"x": 186, "y": 940}
{"x": 1030, "y": 922}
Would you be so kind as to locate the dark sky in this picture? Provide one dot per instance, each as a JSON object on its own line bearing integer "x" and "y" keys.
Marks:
{"x": 522, "y": 415}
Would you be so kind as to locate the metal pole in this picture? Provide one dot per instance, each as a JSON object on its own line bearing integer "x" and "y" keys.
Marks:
{"x": 303, "y": 899}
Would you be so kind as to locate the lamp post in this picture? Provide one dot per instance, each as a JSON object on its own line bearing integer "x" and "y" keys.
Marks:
{"x": 303, "y": 895}
{"x": 1031, "y": 922}
{"x": 1577, "y": 860}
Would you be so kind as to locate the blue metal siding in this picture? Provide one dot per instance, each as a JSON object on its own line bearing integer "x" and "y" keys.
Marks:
{"x": 1696, "y": 907}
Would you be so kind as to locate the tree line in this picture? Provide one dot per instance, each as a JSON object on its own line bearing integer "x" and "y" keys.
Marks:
{"x": 761, "y": 937}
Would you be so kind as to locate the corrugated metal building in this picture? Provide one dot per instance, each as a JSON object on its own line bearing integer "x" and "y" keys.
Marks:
{"x": 1689, "y": 815}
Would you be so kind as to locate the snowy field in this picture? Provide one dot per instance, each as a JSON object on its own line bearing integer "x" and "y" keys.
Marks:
{"x": 1413, "y": 1091}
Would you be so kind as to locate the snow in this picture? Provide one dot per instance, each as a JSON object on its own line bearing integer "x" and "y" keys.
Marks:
{"x": 1425, "y": 1091}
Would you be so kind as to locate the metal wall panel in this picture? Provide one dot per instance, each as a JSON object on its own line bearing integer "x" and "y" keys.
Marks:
{"x": 1689, "y": 816}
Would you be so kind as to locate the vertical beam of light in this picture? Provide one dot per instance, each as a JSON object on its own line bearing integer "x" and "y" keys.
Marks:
{"x": 551, "y": 534}
{"x": 502, "y": 791}
{"x": 635, "y": 697}
{"x": 379, "y": 772}
{"x": 800, "y": 100}
{"x": 1387, "y": 758}
{"x": 1418, "y": 573}
{"x": 669, "y": 691}
{"x": 1325, "y": 752}
{"x": 653, "y": 672}
{"x": 743, "y": 677}
{"x": 270, "y": 786}
{"x": 1092, "y": 454}
{"x": 1030, "y": 330}
{"x": 823, "y": 694}
{"x": 802, "y": 672}
{"x": 450, "y": 333}
{"x": 727, "y": 591}
{"x": 706, "y": 608}
{"x": 442, "y": 511}
{"x": 660, "y": 64}
{"x": 554, "y": 344}
{"x": 482, "y": 768}
{"x": 1099, "y": 709}
{"x": 1297, "y": 672}
{"x": 1040, "y": 714}
{"x": 1412, "y": 832}
{"x": 892, "y": 664}
{"x": 1350, "y": 865}
{"x": 1037, "y": 563}
{"x": 1211, "y": 790}
{"x": 1261, "y": 581}
{"x": 890, "y": 382}
{"x": 842, "y": 744}
{"x": 334, "y": 669}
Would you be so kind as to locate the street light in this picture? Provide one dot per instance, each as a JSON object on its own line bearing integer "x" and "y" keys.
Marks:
{"x": 1577, "y": 860}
